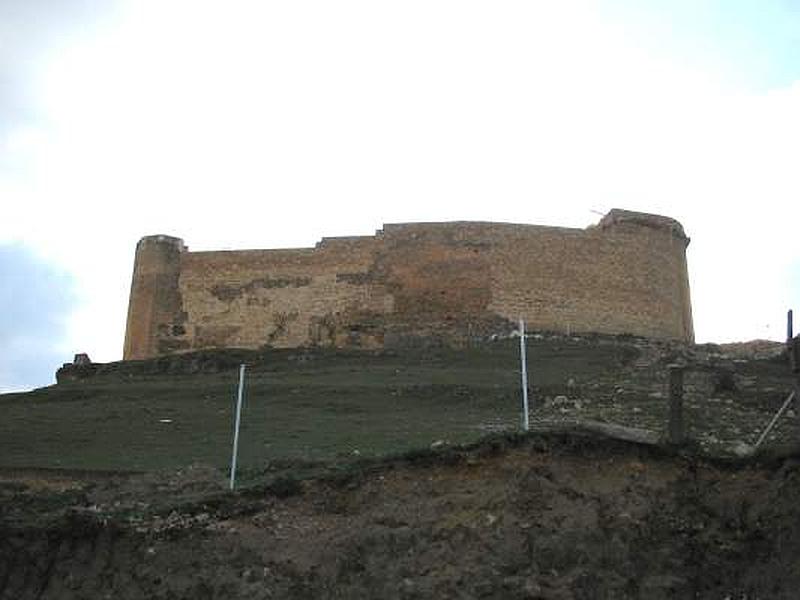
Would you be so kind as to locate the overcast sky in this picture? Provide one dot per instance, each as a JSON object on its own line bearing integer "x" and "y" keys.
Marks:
{"x": 270, "y": 124}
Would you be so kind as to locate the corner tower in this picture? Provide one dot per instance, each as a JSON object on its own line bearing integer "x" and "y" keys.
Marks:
{"x": 664, "y": 260}
{"x": 155, "y": 305}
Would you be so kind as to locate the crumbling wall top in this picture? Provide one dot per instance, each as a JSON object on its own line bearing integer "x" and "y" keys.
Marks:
{"x": 162, "y": 240}
{"x": 617, "y": 217}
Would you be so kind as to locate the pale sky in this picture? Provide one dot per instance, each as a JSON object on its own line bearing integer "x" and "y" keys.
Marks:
{"x": 271, "y": 124}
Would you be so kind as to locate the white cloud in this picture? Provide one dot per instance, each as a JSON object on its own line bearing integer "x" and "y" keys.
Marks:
{"x": 269, "y": 124}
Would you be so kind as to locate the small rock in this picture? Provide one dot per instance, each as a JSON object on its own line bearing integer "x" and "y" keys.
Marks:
{"x": 571, "y": 382}
{"x": 791, "y": 413}
{"x": 636, "y": 409}
{"x": 741, "y": 449}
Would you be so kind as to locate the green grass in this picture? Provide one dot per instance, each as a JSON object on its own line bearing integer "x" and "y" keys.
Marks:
{"x": 312, "y": 406}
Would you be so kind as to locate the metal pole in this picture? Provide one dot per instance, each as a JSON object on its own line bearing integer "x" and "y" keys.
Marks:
{"x": 236, "y": 428}
{"x": 793, "y": 348}
{"x": 775, "y": 419}
{"x": 524, "y": 362}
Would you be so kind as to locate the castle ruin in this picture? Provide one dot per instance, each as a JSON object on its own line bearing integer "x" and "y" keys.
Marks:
{"x": 414, "y": 282}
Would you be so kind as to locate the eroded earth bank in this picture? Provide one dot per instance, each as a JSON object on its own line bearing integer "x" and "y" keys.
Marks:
{"x": 543, "y": 516}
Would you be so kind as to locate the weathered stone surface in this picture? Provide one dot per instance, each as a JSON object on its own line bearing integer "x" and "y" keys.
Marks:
{"x": 414, "y": 283}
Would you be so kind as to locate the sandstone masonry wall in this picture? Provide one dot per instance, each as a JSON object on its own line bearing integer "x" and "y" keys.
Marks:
{"x": 419, "y": 281}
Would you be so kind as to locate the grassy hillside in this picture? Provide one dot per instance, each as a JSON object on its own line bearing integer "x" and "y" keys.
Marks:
{"x": 308, "y": 405}
{"x": 318, "y": 405}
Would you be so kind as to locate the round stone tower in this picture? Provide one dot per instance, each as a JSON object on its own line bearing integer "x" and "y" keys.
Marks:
{"x": 155, "y": 301}
{"x": 662, "y": 268}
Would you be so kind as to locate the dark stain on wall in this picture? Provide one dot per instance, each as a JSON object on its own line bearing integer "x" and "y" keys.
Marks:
{"x": 354, "y": 278}
{"x": 214, "y": 336}
{"x": 281, "y": 321}
{"x": 430, "y": 279}
{"x": 351, "y": 329}
{"x": 229, "y": 292}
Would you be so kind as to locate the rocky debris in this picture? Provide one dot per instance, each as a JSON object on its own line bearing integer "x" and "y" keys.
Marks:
{"x": 730, "y": 393}
{"x": 742, "y": 449}
{"x": 563, "y": 403}
{"x": 753, "y": 350}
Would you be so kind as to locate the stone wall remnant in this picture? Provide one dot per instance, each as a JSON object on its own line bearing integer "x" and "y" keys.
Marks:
{"x": 414, "y": 283}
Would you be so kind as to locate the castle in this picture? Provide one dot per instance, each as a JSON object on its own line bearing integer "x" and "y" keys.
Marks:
{"x": 414, "y": 282}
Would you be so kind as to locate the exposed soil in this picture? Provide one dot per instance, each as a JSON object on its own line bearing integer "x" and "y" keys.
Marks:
{"x": 542, "y": 516}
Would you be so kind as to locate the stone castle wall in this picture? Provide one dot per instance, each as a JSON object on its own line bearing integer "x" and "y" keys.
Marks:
{"x": 447, "y": 281}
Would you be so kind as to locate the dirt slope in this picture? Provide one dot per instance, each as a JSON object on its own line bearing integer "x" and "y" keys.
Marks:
{"x": 551, "y": 517}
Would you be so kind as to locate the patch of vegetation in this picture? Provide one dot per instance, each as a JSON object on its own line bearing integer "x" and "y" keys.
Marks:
{"x": 285, "y": 486}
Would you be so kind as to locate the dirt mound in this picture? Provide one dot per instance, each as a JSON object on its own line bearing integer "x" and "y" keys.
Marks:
{"x": 557, "y": 517}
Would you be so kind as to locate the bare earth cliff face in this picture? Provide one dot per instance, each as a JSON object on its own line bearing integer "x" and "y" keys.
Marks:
{"x": 544, "y": 518}
{"x": 451, "y": 282}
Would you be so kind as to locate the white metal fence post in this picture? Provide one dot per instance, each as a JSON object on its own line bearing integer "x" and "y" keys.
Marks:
{"x": 525, "y": 424}
{"x": 236, "y": 427}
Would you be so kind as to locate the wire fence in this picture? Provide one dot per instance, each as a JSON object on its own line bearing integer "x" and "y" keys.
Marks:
{"x": 320, "y": 405}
